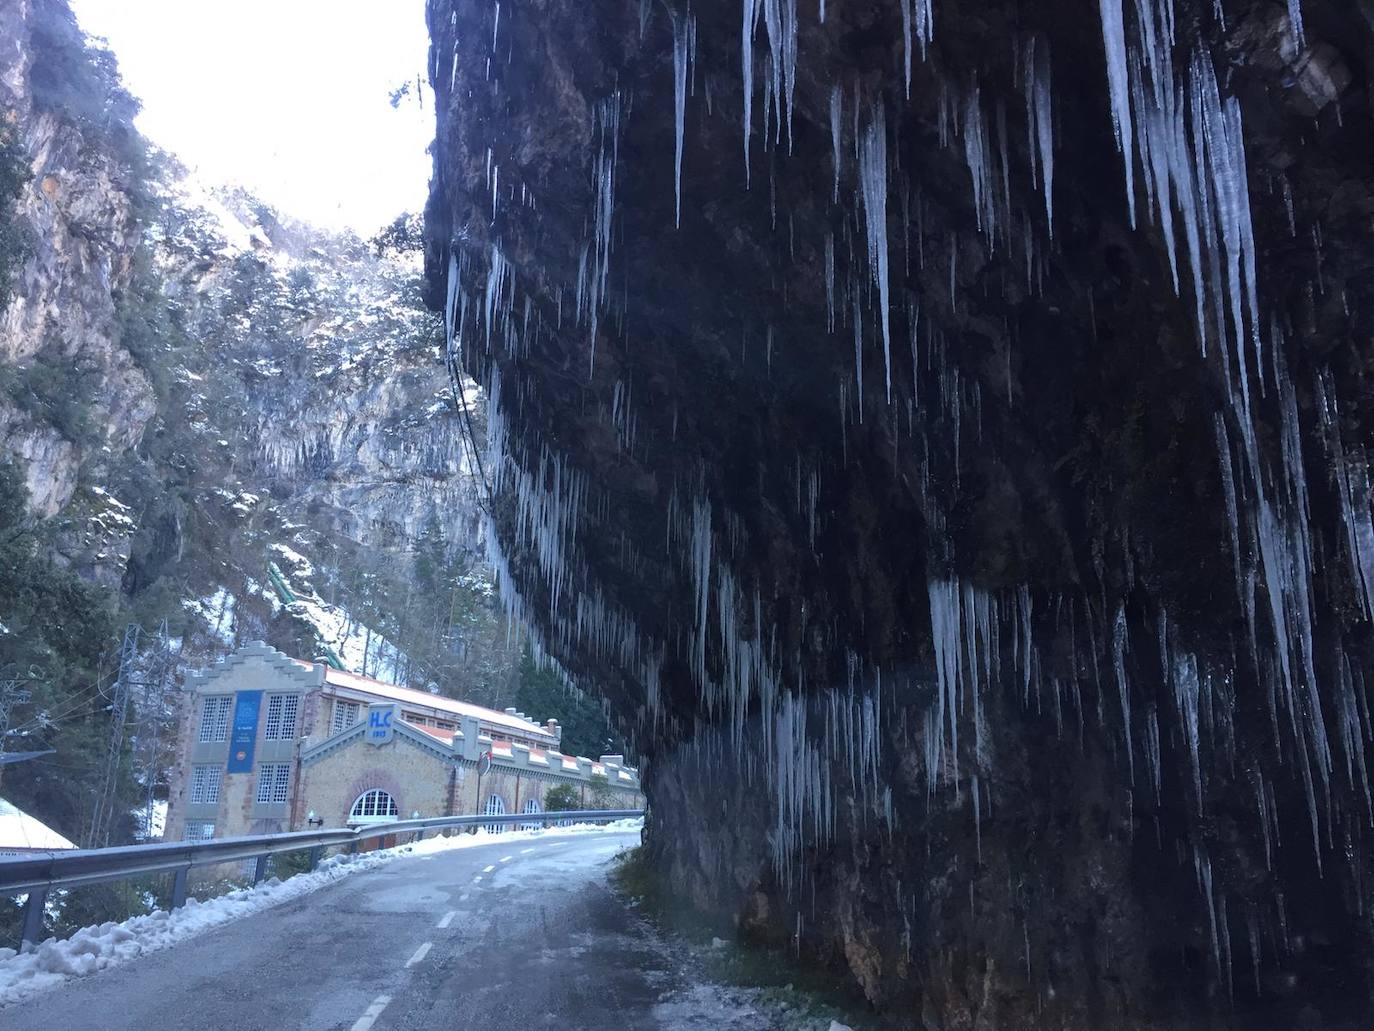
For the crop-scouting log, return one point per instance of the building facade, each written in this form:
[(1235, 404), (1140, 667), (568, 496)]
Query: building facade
[(271, 743)]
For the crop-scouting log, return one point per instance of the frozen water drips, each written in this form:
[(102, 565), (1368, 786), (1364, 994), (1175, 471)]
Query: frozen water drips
[(701, 578), (1120, 643), (836, 116), (1114, 40), (750, 10), (907, 18), (1039, 120), (963, 623), (604, 170), (873, 187), (978, 155), (1295, 20), (780, 22), (684, 47)]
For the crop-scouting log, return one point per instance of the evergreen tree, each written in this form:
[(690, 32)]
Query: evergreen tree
[(542, 695)]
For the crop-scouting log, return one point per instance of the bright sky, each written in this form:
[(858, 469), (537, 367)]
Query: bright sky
[(288, 98)]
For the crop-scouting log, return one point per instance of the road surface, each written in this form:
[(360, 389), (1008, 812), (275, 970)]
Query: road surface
[(516, 935)]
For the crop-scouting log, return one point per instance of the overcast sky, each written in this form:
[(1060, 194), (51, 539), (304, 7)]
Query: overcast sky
[(289, 98)]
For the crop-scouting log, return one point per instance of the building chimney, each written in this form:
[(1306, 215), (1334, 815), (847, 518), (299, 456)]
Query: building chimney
[(510, 712), (555, 730)]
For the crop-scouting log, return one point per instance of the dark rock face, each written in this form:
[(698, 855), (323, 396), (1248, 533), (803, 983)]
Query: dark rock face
[(967, 505)]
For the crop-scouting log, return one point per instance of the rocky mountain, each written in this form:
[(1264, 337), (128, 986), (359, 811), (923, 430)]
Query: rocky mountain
[(80, 231), (942, 431), (225, 421)]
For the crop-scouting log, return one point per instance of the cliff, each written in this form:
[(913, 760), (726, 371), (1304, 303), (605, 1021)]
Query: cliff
[(941, 432)]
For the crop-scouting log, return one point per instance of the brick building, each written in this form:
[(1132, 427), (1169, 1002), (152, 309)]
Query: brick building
[(270, 742)]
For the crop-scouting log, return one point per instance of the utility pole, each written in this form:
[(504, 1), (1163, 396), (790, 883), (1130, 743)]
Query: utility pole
[(153, 711), (102, 813), (11, 694)]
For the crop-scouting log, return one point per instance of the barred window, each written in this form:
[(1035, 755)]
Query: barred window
[(205, 782), (197, 830), (281, 717), (274, 782), (345, 715), (214, 718)]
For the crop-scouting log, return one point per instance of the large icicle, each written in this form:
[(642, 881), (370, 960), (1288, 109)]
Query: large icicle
[(1039, 119), (684, 41), (1114, 39), (873, 185)]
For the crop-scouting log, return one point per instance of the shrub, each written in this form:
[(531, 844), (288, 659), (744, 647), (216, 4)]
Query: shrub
[(562, 798)]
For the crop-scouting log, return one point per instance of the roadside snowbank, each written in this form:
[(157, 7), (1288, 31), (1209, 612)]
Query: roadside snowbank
[(96, 948)]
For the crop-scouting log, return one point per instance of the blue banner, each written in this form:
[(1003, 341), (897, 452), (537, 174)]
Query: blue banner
[(244, 733)]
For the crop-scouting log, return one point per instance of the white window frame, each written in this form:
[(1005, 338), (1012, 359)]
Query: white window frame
[(496, 806), (282, 710), (531, 806), (205, 784), (373, 806), (199, 830), (346, 714), (214, 718), (274, 783)]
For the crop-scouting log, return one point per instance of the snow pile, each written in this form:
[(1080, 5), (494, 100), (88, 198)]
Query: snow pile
[(96, 948)]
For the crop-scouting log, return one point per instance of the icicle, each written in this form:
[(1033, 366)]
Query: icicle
[(873, 184), (906, 43), (1040, 121), (1295, 20), (1114, 39), (751, 17), (684, 32), (836, 104)]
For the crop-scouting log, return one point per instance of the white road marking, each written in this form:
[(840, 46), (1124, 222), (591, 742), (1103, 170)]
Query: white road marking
[(506, 859), (555, 844), (477, 879), (463, 897), (526, 851), (448, 918), (490, 868), (371, 1014), (420, 954)]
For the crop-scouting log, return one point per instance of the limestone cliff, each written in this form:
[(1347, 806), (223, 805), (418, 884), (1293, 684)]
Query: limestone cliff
[(78, 224), (941, 431)]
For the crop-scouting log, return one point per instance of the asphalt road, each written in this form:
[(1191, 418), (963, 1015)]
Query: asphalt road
[(513, 935)]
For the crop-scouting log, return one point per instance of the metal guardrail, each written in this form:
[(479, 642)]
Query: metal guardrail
[(41, 872)]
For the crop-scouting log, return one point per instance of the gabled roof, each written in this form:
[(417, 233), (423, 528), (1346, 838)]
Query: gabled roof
[(393, 692), (421, 737), (19, 830)]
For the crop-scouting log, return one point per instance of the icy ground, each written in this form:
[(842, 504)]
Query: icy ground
[(97, 948)]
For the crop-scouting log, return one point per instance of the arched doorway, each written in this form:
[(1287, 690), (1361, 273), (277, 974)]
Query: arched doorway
[(531, 806), (496, 806)]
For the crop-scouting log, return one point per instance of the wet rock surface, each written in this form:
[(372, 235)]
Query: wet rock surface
[(967, 504)]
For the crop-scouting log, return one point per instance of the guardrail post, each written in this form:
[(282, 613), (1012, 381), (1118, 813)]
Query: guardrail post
[(33, 919), (315, 856), (353, 847), (179, 887), (260, 868)]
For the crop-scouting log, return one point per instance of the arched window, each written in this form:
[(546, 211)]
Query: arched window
[(375, 806), (496, 806), (531, 806)]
